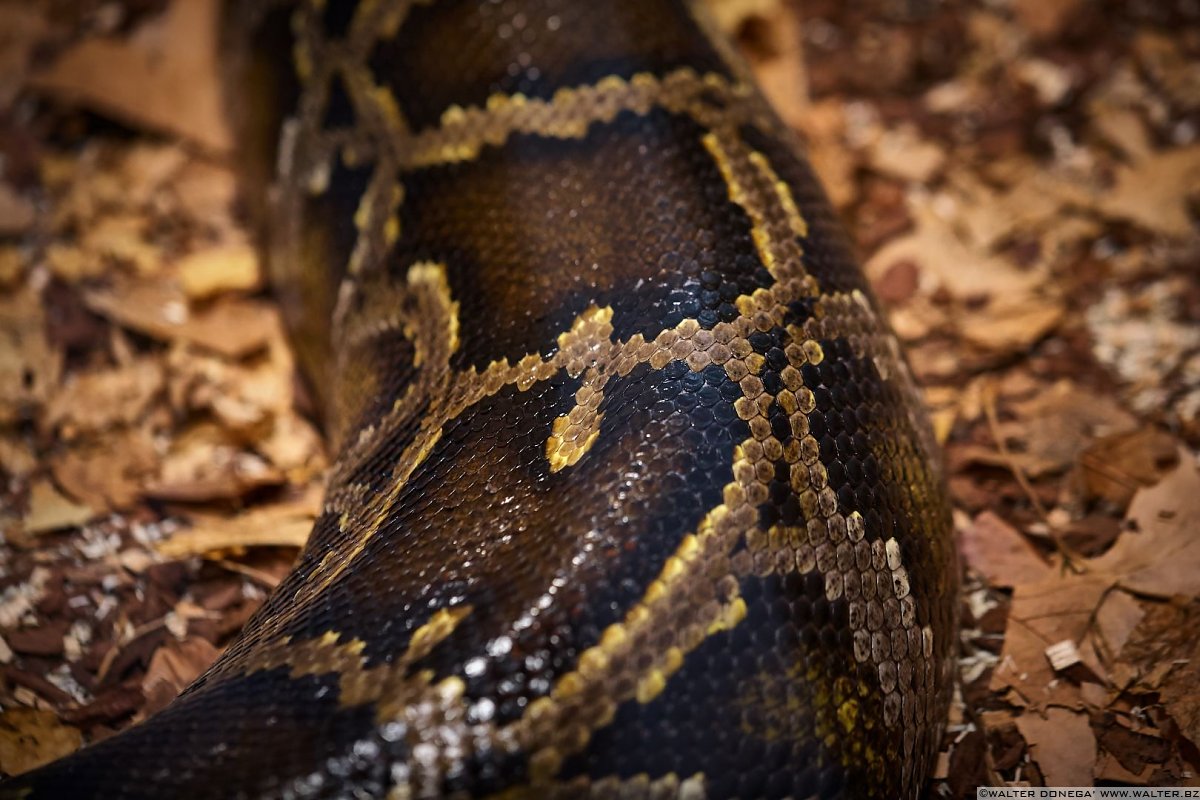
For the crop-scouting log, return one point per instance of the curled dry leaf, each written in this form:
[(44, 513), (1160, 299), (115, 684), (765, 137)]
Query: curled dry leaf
[(206, 192), (245, 398), (731, 15), (1116, 618), (17, 457), (121, 238), (293, 446)]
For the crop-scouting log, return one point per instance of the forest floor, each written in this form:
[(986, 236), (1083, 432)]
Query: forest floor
[(1020, 177)]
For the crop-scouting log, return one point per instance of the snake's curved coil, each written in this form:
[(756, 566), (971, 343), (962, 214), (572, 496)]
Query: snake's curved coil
[(633, 495)]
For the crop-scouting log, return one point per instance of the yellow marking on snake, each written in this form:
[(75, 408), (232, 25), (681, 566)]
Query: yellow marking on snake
[(464, 132)]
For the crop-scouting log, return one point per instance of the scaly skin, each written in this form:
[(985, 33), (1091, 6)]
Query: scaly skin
[(633, 497)]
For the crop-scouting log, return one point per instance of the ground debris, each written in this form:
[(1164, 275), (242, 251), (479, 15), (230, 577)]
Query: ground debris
[(1021, 181)]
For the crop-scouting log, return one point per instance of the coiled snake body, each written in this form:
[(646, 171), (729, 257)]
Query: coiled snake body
[(633, 494)]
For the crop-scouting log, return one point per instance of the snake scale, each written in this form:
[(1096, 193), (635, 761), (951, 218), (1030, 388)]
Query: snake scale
[(633, 494)]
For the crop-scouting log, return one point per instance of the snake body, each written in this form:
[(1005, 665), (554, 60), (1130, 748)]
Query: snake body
[(633, 493)]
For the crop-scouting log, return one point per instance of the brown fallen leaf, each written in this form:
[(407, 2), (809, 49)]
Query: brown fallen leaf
[(12, 266), (146, 169), (49, 510), (232, 327), (823, 124), (107, 473), (1155, 193), (16, 213), (94, 401), (282, 525), (172, 667), (229, 268), (771, 40), (1042, 615), (73, 264), (293, 446), (1165, 651), (121, 238), (206, 464), (996, 550), (165, 75), (1115, 467), (1062, 744), (949, 261), (17, 456), (1007, 327), (206, 192), (731, 15), (1161, 557), (22, 28), (902, 153), (1116, 619), (1121, 127), (29, 366), (1170, 65), (30, 738), (1055, 425), (244, 397)]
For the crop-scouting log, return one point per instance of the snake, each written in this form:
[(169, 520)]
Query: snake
[(632, 495)]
